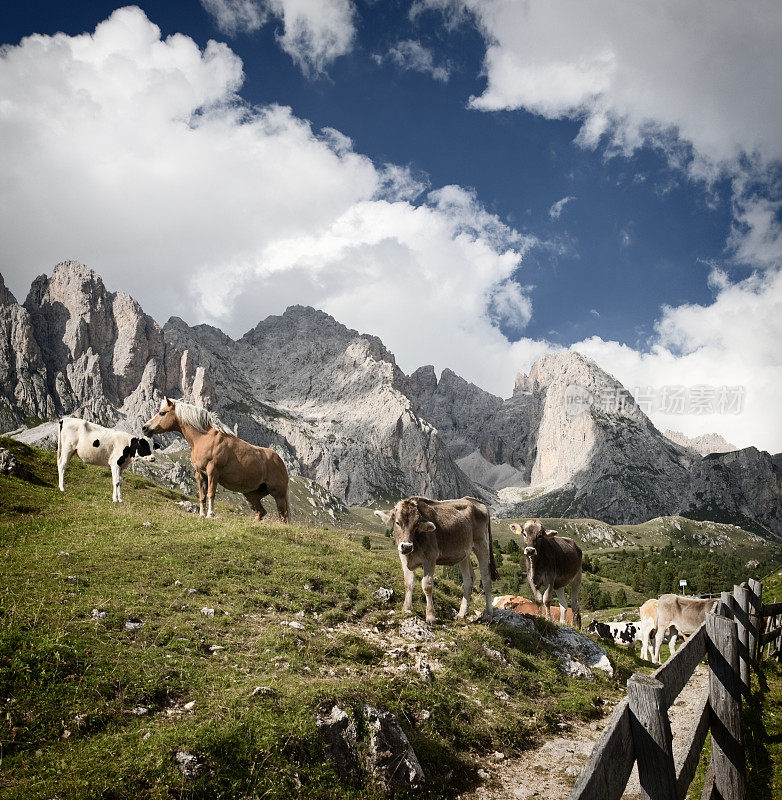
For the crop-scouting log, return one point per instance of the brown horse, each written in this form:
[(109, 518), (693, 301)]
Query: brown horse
[(220, 456)]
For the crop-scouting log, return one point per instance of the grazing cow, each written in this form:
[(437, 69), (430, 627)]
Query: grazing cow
[(627, 633), (429, 532), (552, 562), (683, 613), (95, 444)]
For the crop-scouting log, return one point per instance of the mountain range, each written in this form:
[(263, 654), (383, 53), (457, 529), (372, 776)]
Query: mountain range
[(569, 442)]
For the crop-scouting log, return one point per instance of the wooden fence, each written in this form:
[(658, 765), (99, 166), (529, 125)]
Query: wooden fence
[(639, 730)]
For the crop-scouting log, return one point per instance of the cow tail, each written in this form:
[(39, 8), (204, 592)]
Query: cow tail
[(59, 441), (493, 571)]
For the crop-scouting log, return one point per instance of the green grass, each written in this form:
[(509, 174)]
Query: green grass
[(69, 683)]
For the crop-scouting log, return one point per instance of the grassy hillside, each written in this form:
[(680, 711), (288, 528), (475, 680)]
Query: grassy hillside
[(109, 668)]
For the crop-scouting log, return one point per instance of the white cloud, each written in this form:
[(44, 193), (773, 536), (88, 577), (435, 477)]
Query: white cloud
[(412, 55), (314, 34), (235, 16), (555, 212), (706, 70), (731, 342), (135, 156)]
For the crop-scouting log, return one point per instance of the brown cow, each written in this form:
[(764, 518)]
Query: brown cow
[(683, 613), (552, 562), (429, 532)]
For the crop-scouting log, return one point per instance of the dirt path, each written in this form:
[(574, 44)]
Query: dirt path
[(549, 771)]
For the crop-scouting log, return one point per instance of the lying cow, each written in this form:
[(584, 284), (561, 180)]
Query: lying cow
[(553, 562), (429, 532), (95, 444), (626, 633), (686, 614)]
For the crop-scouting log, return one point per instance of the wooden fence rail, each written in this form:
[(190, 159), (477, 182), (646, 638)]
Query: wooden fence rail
[(639, 731)]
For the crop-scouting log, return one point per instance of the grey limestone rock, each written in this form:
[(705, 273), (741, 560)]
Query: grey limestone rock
[(391, 760)]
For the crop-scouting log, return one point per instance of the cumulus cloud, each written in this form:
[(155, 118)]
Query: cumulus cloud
[(314, 32), (555, 212), (412, 55), (699, 349), (705, 71), (135, 155)]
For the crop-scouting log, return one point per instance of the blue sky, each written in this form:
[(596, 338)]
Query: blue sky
[(514, 181)]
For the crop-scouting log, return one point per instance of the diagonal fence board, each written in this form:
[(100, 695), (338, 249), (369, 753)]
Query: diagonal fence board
[(688, 762), (608, 768), (675, 673)]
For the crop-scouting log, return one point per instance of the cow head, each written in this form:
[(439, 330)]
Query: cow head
[(164, 421), (140, 447), (407, 525), (534, 533)]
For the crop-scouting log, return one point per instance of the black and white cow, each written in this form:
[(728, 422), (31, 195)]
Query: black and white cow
[(626, 633), (95, 444)]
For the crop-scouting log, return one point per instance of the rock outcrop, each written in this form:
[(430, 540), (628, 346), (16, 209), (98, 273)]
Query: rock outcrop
[(705, 444)]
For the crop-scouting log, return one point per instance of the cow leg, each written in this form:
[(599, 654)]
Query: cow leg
[(672, 642), (646, 632), (427, 584), (561, 594), (484, 564), (575, 592), (116, 480), (62, 462), (546, 601), (468, 579), (658, 642), (409, 575)]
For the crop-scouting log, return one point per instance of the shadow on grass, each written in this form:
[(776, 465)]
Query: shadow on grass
[(762, 730)]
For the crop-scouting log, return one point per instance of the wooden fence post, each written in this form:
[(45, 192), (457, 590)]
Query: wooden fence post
[(755, 614), (727, 751), (726, 605), (741, 615), (652, 738)]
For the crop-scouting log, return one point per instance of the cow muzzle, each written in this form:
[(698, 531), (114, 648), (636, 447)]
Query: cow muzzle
[(406, 548), (530, 551)]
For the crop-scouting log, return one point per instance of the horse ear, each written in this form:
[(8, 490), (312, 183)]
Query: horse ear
[(386, 516), (168, 401)]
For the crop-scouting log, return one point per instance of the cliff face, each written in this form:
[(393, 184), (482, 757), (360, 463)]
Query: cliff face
[(24, 395), (570, 441), (97, 347)]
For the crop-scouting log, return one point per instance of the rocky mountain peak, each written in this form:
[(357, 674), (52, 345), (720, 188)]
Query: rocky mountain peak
[(6, 296), (704, 445)]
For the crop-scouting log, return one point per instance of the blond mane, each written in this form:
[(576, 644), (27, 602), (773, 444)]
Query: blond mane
[(200, 418)]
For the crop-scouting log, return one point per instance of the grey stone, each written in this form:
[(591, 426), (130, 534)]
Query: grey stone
[(391, 760), (339, 733)]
